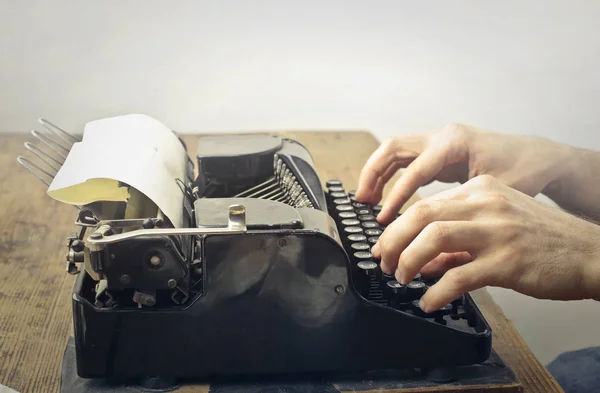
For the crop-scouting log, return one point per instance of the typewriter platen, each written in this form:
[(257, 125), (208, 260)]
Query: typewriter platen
[(270, 273)]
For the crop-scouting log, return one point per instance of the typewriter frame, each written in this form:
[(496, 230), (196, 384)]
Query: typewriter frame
[(269, 299)]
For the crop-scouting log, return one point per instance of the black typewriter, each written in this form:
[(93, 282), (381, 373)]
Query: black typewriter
[(270, 273)]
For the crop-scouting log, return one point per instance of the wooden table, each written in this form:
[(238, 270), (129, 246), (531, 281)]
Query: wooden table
[(35, 290)]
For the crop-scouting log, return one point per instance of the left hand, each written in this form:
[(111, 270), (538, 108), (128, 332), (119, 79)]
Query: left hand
[(485, 233)]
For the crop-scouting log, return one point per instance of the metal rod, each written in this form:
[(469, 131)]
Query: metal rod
[(45, 141), (21, 160), (46, 123), (241, 194), (40, 154), (255, 195)]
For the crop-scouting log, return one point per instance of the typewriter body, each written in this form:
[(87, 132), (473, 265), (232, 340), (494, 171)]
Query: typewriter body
[(270, 273)]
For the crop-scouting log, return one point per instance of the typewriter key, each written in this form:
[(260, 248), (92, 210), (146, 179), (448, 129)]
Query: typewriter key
[(358, 204), (363, 256), (352, 192), (376, 209), (415, 288), (393, 291), (360, 246), (343, 208), (341, 201), (365, 270), (373, 232), (368, 267), (351, 230), (369, 224), (373, 240), (357, 238), (333, 183), (350, 222), (352, 198), (417, 277), (336, 189), (346, 215), (337, 195), (367, 217), (387, 277)]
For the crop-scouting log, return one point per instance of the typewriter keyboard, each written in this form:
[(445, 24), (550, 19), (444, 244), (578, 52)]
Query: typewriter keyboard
[(359, 231)]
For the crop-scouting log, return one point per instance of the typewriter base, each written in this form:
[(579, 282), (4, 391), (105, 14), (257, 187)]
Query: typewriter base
[(492, 376)]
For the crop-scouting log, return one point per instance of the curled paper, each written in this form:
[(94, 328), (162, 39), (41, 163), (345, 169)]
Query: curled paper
[(136, 150)]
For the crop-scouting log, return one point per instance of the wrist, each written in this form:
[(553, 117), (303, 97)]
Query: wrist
[(561, 175), (591, 274)]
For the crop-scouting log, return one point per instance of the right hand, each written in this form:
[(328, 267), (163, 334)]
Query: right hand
[(457, 153)]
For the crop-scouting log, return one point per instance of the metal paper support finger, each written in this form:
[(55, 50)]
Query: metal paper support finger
[(26, 162), (50, 142), (56, 130), (41, 154)]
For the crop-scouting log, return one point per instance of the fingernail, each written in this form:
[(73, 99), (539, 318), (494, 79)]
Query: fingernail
[(399, 276), (422, 304), (384, 267)]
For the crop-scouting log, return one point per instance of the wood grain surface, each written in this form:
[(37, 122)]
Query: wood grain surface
[(35, 290)]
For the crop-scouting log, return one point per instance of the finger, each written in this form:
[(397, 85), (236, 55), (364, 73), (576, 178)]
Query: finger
[(444, 262), (418, 173), (377, 192), (438, 237), (398, 235), (455, 194), (455, 283), (400, 150)]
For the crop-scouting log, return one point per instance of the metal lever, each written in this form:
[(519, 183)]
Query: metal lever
[(236, 225)]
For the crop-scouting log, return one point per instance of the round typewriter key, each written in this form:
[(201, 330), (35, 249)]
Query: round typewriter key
[(338, 195), (352, 192), (350, 222), (416, 288), (357, 238), (352, 198), (351, 230), (336, 189), (373, 232), (369, 224), (343, 208), (373, 240), (346, 215), (333, 183), (358, 204), (376, 209), (341, 201), (367, 266), (417, 276), (363, 256), (365, 270), (361, 212), (367, 217), (386, 277), (360, 246)]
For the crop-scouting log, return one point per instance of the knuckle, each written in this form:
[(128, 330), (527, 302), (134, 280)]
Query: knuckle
[(484, 181), (496, 201), (388, 146), (421, 211), (454, 129), (437, 232), (458, 278)]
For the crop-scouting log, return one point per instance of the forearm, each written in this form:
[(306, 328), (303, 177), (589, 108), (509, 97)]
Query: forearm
[(577, 187)]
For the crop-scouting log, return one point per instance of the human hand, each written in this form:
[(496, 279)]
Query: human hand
[(485, 233), (457, 153)]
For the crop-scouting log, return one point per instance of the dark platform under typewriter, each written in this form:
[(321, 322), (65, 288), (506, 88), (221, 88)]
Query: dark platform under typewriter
[(334, 337)]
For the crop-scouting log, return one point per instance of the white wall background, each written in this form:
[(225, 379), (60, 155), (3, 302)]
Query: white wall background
[(387, 66)]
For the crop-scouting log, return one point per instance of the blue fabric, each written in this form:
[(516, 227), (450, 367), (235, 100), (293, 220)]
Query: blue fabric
[(577, 371)]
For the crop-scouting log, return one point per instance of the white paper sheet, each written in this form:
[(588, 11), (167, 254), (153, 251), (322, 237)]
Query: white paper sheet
[(133, 149)]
